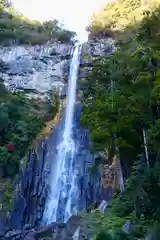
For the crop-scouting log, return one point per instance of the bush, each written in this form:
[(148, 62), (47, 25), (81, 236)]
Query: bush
[(15, 28), (20, 122), (121, 98)]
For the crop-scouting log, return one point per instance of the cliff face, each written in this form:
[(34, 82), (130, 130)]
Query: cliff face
[(35, 69), (31, 186), (93, 50), (110, 174)]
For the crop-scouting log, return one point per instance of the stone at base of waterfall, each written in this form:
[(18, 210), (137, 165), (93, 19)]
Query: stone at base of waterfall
[(76, 234), (127, 227), (15, 234), (75, 229), (102, 206)]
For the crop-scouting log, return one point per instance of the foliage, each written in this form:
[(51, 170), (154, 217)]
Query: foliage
[(7, 196), (20, 121), (16, 28), (121, 18), (112, 236), (121, 100)]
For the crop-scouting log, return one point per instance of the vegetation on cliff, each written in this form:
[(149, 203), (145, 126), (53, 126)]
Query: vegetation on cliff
[(20, 121), (120, 19), (17, 29), (121, 103)]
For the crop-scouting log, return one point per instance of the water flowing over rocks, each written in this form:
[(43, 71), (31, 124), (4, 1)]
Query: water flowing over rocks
[(41, 68), (35, 68), (74, 229), (32, 185)]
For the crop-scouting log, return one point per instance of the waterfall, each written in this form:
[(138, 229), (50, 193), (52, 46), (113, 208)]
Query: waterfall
[(60, 204), (121, 180)]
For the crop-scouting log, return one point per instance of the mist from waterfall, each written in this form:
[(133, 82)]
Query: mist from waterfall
[(59, 205)]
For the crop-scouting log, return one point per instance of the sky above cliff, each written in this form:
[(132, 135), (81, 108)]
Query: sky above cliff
[(74, 14)]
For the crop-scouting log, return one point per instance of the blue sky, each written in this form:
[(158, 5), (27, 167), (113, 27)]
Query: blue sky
[(74, 14)]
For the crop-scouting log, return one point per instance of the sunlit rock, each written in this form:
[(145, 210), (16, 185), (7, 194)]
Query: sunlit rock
[(127, 227), (102, 206), (34, 67), (76, 234), (99, 47)]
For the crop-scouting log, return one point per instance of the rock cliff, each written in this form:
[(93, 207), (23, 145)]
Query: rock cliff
[(40, 69), (94, 50), (31, 185), (35, 69)]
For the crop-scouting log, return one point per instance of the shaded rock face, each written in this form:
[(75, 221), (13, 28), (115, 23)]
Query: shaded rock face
[(89, 183), (74, 229), (3, 225), (99, 47), (34, 67), (92, 50), (32, 186)]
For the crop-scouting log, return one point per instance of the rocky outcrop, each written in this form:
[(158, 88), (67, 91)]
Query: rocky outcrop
[(32, 184), (93, 50), (36, 69), (98, 48), (74, 229), (110, 174)]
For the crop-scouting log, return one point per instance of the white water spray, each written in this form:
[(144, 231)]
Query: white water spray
[(62, 185)]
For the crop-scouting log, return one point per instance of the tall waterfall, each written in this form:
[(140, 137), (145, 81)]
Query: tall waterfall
[(62, 183)]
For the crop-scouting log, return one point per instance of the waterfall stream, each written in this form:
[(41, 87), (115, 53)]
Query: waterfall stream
[(63, 188)]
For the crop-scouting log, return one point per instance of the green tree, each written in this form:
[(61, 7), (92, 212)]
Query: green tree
[(121, 98)]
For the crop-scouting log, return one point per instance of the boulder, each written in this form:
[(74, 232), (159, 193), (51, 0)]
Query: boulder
[(13, 234), (102, 206), (127, 227)]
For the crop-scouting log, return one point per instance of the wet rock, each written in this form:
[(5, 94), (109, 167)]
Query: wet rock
[(27, 227), (76, 228), (3, 225), (102, 206), (53, 52), (13, 234), (32, 185), (3, 66), (76, 234), (66, 69), (30, 236), (48, 230), (127, 227), (29, 190)]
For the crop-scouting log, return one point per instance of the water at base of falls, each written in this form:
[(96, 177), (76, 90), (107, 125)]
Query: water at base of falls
[(62, 199)]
